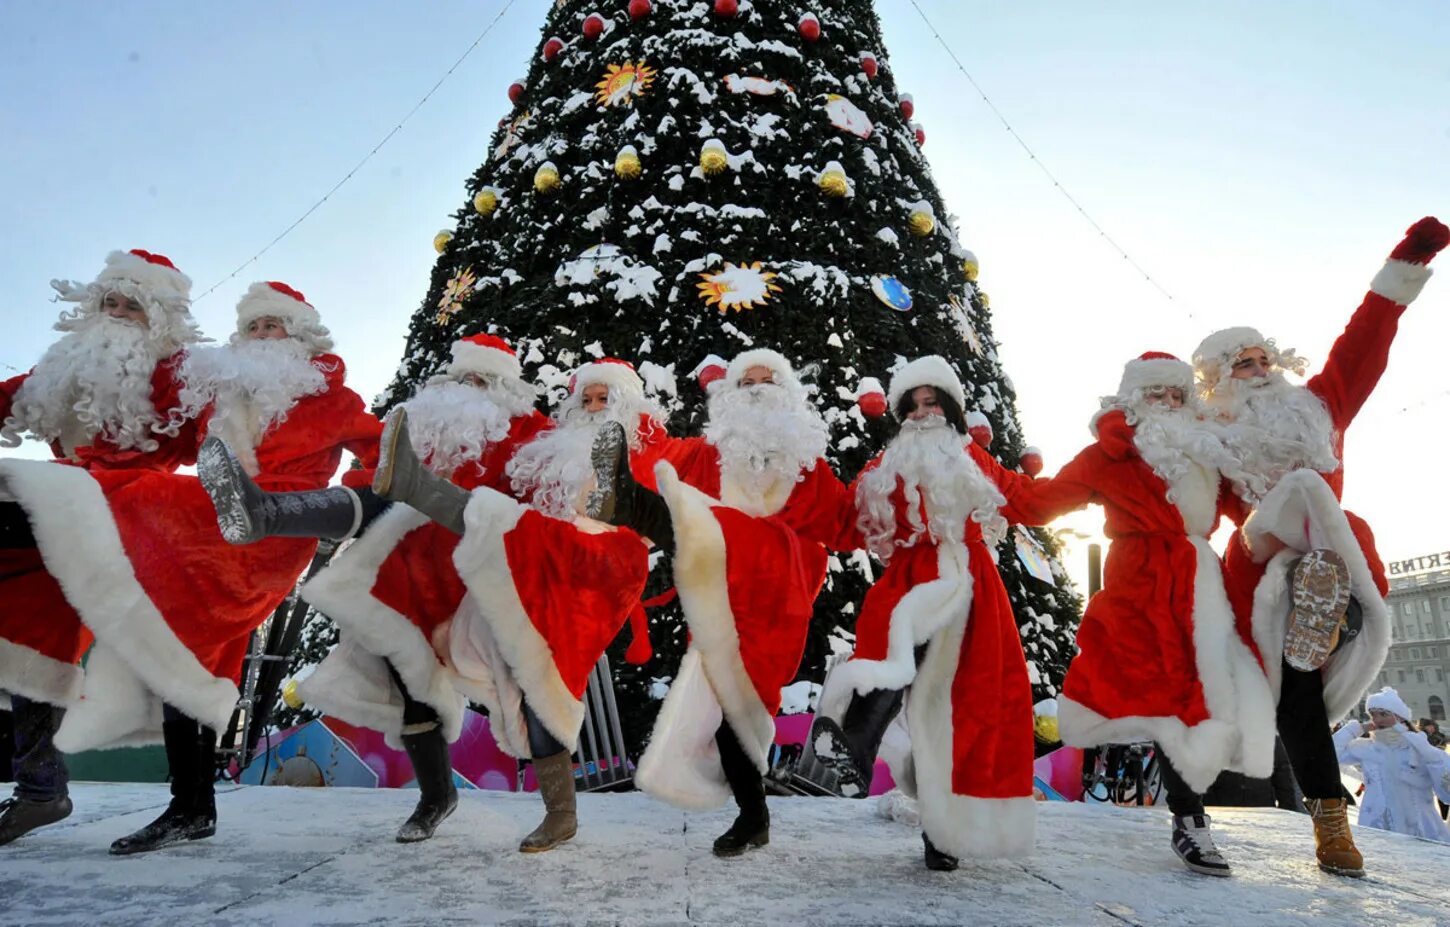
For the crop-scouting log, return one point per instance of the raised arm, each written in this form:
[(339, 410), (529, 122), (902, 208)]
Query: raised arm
[(1039, 501)]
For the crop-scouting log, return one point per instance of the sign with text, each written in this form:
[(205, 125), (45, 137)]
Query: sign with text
[(1440, 561)]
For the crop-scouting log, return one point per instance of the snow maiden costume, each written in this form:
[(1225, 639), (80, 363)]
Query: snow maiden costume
[(1402, 771), (1292, 603), (98, 396)]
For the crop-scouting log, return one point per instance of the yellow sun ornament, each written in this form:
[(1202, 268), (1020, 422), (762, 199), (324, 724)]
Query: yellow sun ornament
[(738, 287), (622, 83), (455, 291)]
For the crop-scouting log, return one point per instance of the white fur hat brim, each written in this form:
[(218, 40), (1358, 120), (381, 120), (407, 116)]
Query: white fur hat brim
[(931, 370), (166, 284), (261, 301), (774, 361), (1387, 699), (1224, 346), (483, 361), (1159, 371), (620, 379)]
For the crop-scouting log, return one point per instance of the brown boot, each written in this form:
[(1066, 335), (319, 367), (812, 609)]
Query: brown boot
[(1332, 841), (556, 784)]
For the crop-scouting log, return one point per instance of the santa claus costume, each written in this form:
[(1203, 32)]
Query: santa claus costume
[(1402, 770), (513, 614), (744, 509), (937, 622), (1159, 655), (100, 397), (1304, 568), (138, 554), (468, 421)]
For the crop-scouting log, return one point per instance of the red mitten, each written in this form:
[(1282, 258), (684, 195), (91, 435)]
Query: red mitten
[(1423, 240)]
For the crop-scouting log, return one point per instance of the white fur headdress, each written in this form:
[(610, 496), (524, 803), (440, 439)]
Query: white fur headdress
[(761, 357), (276, 300), (931, 370), (484, 355), (1155, 368)]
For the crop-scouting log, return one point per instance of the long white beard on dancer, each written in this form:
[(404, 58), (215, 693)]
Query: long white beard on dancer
[(555, 470), (765, 434), (1275, 427), (930, 460), (452, 423), (254, 384), (96, 380), (1173, 441)]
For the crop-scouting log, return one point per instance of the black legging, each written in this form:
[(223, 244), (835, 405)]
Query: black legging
[(15, 531), (746, 785), (414, 712), (1304, 726), (1182, 800), (541, 742)]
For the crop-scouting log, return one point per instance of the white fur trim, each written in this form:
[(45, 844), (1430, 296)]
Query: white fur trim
[(1400, 281), (919, 615), (474, 358), (931, 370), (503, 624), (681, 765), (1239, 732), (1387, 699), (165, 283), (1225, 345), (116, 708), (1159, 371), (353, 682), (620, 379), (1302, 499), (759, 357), (962, 825), (30, 673), (705, 596), (261, 301), (82, 549)]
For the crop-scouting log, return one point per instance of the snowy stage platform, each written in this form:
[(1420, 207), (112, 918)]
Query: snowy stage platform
[(326, 856)]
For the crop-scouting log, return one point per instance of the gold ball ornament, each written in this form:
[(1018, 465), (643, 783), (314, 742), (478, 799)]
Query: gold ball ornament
[(713, 157), (969, 267), (985, 300), (922, 224), (290, 696), (832, 180), (546, 178), (1044, 727), (441, 240), (486, 201), (627, 165)]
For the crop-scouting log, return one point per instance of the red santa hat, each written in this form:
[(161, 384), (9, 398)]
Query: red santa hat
[(1155, 368), (618, 375), (773, 361), (485, 355), (1387, 699), (153, 273), (272, 299), (931, 370)]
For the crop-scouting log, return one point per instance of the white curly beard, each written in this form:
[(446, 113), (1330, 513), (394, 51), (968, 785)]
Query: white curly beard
[(253, 384), (1178, 445), (766, 435), (96, 380), (451, 423), (555, 470), (1274, 427), (930, 459)]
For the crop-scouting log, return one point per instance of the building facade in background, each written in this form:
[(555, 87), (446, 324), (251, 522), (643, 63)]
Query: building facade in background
[(1418, 665)]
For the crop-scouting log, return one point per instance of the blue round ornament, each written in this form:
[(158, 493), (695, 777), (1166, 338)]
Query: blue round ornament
[(892, 292)]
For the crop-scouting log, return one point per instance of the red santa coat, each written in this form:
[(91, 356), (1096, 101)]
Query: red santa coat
[(140, 559), (522, 606), (42, 639), (747, 570), (1159, 656), (1305, 506), (970, 705)]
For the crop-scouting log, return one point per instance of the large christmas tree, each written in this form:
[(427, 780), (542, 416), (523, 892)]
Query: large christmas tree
[(683, 179)]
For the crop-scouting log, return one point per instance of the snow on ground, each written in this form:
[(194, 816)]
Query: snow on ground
[(327, 856)]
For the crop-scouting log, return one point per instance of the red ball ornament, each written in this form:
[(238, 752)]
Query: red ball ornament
[(709, 374), (639, 9), (553, 47), (809, 27), (920, 136), (868, 64), (982, 435), (593, 26), (1031, 461), (726, 7), (872, 405), (516, 90), (908, 107)]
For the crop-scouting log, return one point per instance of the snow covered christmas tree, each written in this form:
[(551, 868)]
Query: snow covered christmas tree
[(677, 180)]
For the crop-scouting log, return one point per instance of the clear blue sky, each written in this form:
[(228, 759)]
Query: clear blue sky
[(1259, 159)]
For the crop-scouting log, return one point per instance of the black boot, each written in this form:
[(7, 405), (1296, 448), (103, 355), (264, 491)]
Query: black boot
[(752, 825), (41, 793), (936, 860), (246, 513), (618, 499), (437, 795), (849, 749), (401, 477), (191, 754)]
